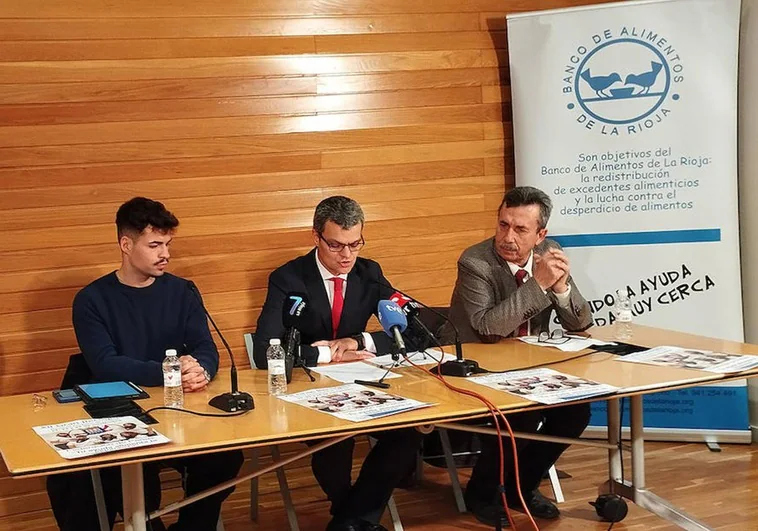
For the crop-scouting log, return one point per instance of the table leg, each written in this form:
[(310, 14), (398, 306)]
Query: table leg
[(640, 495), (614, 454), (615, 484), (133, 491), (232, 482), (638, 442)]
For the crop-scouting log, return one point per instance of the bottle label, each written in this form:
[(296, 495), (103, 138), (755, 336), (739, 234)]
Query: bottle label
[(276, 367), (625, 316), (172, 379)]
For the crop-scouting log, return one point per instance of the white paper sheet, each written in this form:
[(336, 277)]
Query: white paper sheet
[(349, 372), (574, 343), (429, 357)]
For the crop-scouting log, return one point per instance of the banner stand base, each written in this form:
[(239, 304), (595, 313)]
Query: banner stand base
[(678, 435)]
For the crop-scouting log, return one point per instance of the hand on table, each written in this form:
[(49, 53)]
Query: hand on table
[(193, 375), (344, 350)]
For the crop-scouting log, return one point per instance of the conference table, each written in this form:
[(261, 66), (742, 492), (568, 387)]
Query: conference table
[(275, 421)]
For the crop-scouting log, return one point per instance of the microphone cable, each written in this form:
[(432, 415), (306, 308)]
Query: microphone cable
[(497, 416), (198, 413)]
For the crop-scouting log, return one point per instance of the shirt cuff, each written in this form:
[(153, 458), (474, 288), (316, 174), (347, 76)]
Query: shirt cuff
[(563, 298), (368, 342), (324, 355)]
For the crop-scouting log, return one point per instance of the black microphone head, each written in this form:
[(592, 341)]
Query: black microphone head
[(412, 309), (191, 285), (196, 292), (409, 306)]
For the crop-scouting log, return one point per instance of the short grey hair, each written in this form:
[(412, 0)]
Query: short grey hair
[(343, 211), (529, 195)]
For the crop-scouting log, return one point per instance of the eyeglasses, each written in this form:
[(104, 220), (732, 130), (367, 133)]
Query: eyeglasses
[(555, 337), (337, 247)]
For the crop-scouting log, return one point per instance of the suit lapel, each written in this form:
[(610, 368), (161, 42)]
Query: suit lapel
[(511, 285), (510, 279), (317, 293)]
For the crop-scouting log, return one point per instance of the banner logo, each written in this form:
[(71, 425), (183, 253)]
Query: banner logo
[(624, 83)]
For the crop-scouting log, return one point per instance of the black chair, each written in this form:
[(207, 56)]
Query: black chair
[(283, 487), (77, 373), (458, 449), (281, 477)]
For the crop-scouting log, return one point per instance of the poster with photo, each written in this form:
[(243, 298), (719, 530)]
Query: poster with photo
[(545, 386), (703, 360), (354, 402), (84, 438)]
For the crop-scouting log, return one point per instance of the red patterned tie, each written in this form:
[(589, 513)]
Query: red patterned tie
[(522, 276), (337, 304)]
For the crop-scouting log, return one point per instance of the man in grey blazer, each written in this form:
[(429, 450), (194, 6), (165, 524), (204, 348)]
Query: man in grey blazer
[(509, 286)]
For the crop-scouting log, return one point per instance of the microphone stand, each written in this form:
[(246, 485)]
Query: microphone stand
[(459, 366), (292, 344), (380, 383), (236, 400), (300, 363)]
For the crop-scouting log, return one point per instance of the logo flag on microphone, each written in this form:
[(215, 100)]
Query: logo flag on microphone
[(400, 299), (297, 306)]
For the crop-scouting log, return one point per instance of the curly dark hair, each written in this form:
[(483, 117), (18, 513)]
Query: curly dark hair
[(138, 213)]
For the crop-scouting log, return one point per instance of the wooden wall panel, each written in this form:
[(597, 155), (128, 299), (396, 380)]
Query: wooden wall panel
[(240, 116)]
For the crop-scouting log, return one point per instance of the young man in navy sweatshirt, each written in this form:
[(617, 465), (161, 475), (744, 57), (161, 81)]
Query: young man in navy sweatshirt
[(124, 323)]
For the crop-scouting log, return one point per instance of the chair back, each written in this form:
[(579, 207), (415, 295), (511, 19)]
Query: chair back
[(77, 372), (433, 321), (249, 346)]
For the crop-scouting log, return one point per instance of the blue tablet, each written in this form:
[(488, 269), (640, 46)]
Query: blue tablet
[(96, 392)]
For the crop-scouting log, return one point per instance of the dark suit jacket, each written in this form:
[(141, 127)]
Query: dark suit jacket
[(487, 304), (366, 286)]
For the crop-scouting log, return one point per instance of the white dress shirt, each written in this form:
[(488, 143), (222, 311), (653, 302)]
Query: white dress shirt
[(562, 299), (324, 353)]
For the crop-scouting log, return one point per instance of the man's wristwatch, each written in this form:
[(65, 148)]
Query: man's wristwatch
[(207, 376), (359, 339)]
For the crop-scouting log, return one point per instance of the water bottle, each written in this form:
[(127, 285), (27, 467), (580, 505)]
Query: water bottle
[(277, 378), (623, 311), (173, 394)]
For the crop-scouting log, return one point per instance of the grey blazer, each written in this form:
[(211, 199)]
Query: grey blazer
[(487, 305)]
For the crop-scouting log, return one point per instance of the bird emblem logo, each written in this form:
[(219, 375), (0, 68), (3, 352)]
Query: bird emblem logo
[(624, 84), (626, 89)]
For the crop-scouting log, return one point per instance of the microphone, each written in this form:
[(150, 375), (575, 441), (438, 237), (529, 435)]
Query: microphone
[(417, 332), (294, 313), (236, 400), (394, 323), (458, 367)]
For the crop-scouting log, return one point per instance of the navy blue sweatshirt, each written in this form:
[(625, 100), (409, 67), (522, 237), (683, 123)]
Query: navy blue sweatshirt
[(124, 332)]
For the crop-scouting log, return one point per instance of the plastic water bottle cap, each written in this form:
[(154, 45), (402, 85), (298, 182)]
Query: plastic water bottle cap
[(170, 352), (275, 341)]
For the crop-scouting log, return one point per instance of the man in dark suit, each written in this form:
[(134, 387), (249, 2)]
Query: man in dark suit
[(343, 291), (509, 286)]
